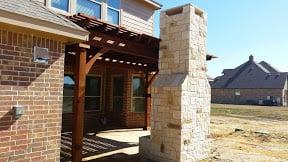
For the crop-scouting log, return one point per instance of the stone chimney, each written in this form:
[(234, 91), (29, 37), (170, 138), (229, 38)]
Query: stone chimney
[(180, 114)]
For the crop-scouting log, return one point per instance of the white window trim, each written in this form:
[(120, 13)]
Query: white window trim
[(118, 10), (132, 96), (99, 3), (67, 13), (72, 9)]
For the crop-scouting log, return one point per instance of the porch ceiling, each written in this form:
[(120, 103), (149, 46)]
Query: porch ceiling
[(125, 46)]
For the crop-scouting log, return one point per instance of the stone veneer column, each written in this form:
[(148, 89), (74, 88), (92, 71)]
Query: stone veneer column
[(181, 93)]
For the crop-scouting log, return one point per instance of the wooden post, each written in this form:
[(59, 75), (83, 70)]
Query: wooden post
[(78, 105), (148, 103), (148, 100)]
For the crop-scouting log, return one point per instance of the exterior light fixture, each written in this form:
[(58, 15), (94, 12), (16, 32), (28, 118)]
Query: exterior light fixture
[(41, 55), (18, 111)]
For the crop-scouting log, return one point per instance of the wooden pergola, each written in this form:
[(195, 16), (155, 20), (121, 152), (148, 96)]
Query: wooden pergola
[(107, 44)]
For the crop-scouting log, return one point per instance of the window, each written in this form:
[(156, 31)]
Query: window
[(60, 4), (113, 11), (89, 7), (92, 93), (139, 100), (118, 90), (68, 93)]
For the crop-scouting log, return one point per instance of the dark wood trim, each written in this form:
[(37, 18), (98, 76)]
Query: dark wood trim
[(153, 78), (91, 62), (117, 38), (148, 103)]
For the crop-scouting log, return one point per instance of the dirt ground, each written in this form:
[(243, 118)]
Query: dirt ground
[(249, 133), (238, 134)]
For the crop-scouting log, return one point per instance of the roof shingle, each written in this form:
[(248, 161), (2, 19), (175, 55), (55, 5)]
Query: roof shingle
[(251, 75), (36, 10)]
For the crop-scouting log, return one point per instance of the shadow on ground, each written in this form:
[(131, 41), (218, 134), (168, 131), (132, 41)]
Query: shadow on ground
[(93, 145)]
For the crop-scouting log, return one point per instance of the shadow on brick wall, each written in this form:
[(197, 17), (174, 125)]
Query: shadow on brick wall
[(17, 70), (7, 120)]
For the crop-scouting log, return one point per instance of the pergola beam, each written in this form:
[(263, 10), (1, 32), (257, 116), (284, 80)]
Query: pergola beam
[(131, 47), (125, 50)]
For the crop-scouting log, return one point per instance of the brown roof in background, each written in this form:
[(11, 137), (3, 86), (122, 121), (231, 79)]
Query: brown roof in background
[(251, 75)]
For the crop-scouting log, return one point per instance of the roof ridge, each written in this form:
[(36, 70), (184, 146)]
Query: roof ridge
[(266, 64), (230, 80), (262, 67)]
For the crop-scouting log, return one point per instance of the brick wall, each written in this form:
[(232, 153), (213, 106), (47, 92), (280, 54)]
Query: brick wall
[(35, 136), (227, 96)]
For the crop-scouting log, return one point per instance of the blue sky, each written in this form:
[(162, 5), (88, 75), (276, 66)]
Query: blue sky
[(238, 28)]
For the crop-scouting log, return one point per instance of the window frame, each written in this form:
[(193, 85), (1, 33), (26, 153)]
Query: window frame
[(115, 9), (101, 93), (94, 1), (63, 12), (112, 91), (132, 94)]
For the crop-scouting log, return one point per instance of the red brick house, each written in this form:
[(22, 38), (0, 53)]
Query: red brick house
[(99, 56), (250, 83)]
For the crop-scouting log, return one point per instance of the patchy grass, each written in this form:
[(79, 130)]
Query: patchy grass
[(248, 133), (247, 111)]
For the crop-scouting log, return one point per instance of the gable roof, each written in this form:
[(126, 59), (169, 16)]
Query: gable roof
[(36, 14), (251, 75)]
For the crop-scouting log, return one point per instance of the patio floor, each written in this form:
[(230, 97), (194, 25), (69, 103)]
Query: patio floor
[(117, 145)]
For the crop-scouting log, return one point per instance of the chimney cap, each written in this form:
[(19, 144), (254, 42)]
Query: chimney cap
[(251, 58)]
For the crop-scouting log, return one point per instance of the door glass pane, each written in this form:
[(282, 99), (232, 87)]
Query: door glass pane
[(113, 16), (118, 104), (118, 90), (67, 104), (118, 83), (89, 8), (114, 3), (68, 93), (69, 84), (92, 103), (60, 4), (93, 86)]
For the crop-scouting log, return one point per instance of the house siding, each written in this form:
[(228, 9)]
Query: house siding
[(137, 17), (35, 136), (227, 96)]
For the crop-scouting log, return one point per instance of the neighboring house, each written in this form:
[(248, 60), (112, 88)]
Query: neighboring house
[(44, 45), (250, 83), (210, 79)]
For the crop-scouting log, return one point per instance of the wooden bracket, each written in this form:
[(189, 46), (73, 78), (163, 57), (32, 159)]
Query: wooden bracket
[(91, 62)]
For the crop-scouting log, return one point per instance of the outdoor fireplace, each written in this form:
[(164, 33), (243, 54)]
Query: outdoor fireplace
[(181, 92)]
